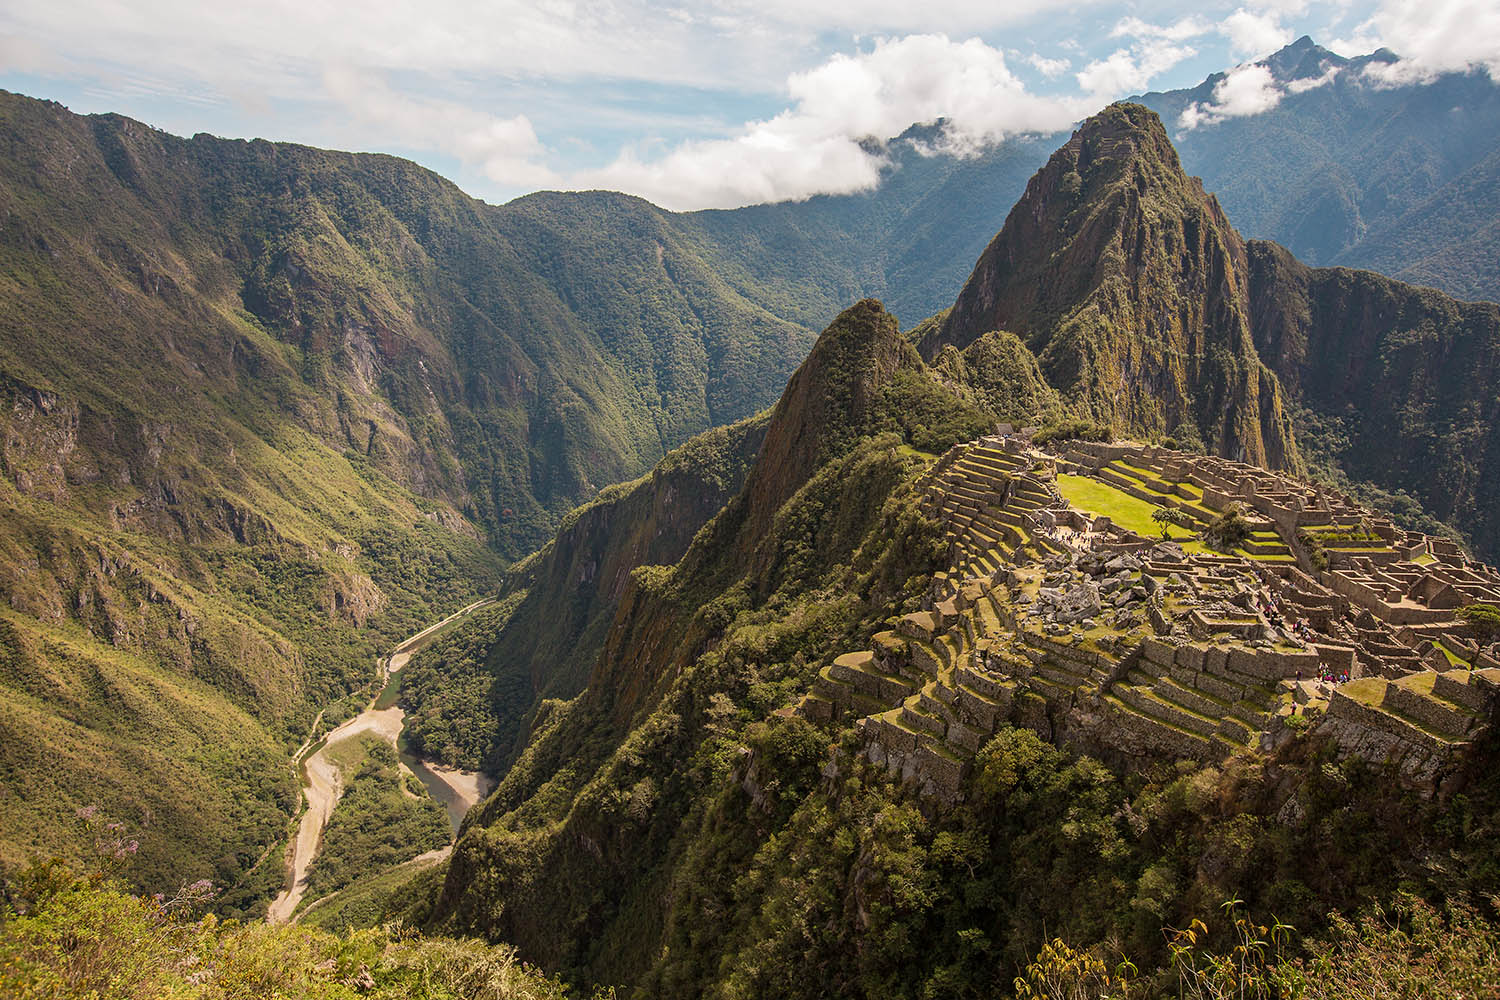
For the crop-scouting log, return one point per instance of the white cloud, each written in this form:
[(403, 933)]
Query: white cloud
[(1254, 35), (1131, 70), (506, 150), (282, 44), (1050, 68), (1178, 31), (815, 146), (1312, 82), (1245, 90), (1433, 37)]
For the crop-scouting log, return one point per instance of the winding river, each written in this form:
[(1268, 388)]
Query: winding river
[(322, 783)]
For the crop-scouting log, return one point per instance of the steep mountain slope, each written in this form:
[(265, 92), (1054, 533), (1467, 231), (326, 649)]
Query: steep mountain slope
[(265, 409), (503, 359), (1348, 172), (678, 829), (1397, 381), (802, 555), (1144, 309), (1128, 284), (469, 696)]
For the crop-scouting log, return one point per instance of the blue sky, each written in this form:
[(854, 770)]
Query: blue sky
[(705, 105)]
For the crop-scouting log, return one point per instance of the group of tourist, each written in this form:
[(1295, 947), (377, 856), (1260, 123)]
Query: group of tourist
[(1329, 676), (1078, 541)]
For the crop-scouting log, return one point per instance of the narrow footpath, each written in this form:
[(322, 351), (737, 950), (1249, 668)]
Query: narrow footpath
[(322, 784)]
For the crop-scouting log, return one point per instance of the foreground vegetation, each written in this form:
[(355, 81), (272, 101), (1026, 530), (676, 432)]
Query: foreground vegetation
[(1413, 950), (69, 937)]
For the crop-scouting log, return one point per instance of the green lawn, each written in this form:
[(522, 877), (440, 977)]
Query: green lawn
[(1453, 658), (1139, 475), (1094, 497)]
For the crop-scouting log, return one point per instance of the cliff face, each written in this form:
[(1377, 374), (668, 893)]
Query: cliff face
[(831, 399), (1402, 379), (1129, 285)]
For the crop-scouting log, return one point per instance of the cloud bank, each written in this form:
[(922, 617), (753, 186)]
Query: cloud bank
[(716, 103), (1431, 38), (827, 141)]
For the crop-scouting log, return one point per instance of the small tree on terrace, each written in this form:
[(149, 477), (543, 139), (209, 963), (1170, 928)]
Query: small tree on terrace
[(1168, 518), (1484, 619), (1229, 530)]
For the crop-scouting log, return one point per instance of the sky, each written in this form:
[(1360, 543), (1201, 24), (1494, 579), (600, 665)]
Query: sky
[(705, 105)]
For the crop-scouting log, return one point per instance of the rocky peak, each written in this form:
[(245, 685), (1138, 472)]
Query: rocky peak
[(1126, 280), (1302, 59), (828, 401)]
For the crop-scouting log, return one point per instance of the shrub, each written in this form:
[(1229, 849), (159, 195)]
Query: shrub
[(1074, 430), (1483, 618), (1229, 530)]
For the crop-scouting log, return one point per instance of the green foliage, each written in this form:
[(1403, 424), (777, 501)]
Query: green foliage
[(67, 937), (373, 899), (1483, 618), (1325, 442), (1073, 430), (469, 695), (1229, 530), (997, 372), (454, 702), (1317, 556), (1251, 968), (1170, 517), (927, 416), (1186, 437)]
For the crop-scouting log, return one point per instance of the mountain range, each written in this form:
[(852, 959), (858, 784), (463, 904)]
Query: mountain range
[(269, 408), (674, 827)]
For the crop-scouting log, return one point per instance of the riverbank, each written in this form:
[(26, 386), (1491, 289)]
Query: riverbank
[(322, 782)]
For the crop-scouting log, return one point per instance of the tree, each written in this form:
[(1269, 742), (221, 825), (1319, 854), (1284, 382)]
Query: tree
[(1229, 530), (1170, 517), (1484, 619)]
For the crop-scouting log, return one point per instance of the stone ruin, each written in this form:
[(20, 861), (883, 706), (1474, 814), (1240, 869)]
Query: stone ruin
[(1137, 650)]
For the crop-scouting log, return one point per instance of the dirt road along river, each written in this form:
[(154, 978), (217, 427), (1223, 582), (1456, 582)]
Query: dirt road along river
[(322, 782)]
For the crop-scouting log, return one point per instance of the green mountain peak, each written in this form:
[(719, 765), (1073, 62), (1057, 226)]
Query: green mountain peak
[(1128, 283)]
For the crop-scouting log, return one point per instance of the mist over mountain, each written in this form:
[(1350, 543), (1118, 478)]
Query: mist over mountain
[(1348, 171)]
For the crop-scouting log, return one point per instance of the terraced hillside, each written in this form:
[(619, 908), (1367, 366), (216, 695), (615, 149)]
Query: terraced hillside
[(1077, 624)]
